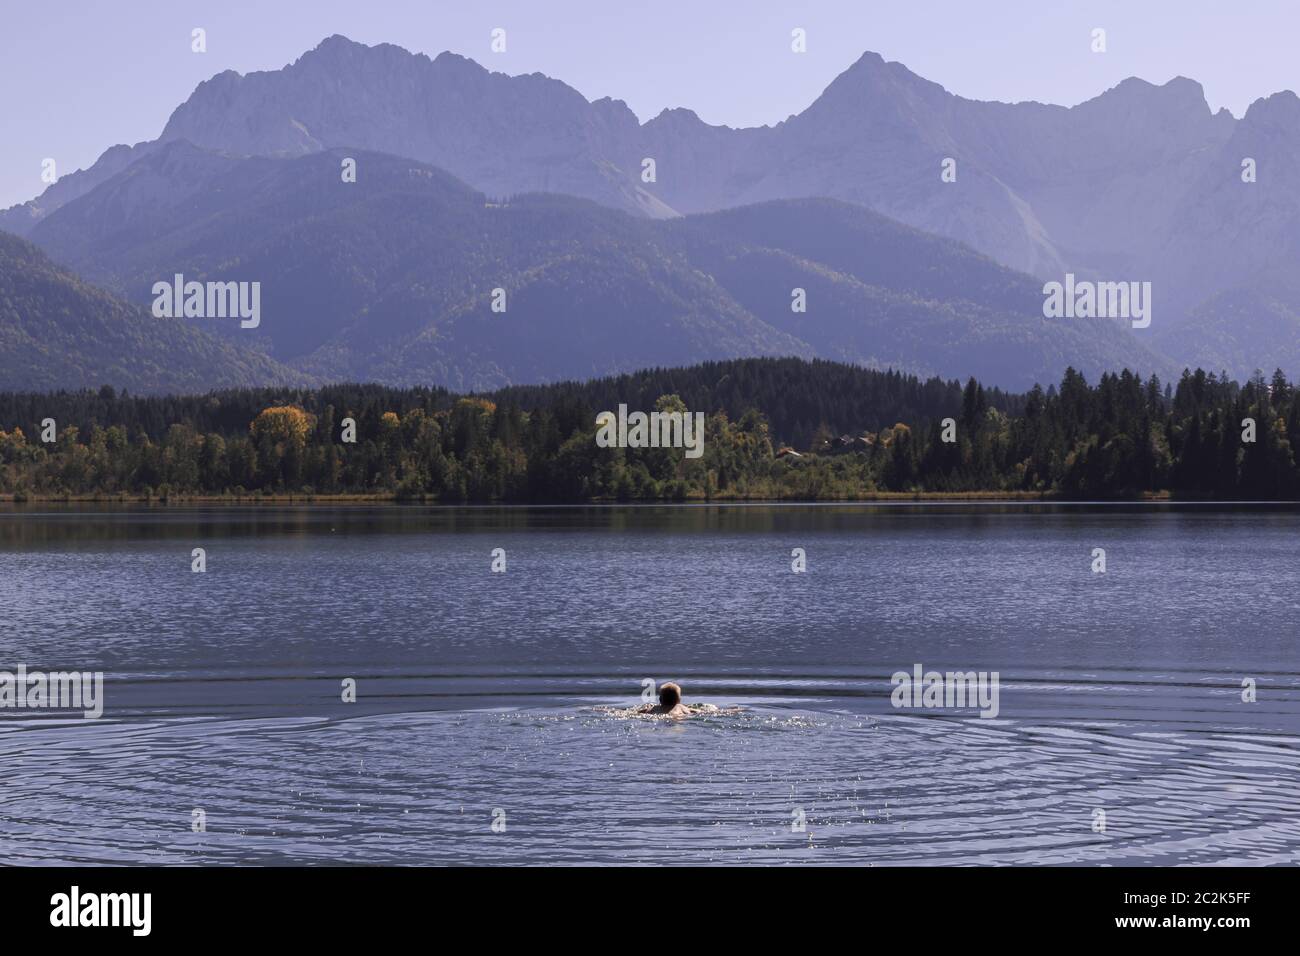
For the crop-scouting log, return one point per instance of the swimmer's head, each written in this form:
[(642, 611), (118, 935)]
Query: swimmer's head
[(670, 695)]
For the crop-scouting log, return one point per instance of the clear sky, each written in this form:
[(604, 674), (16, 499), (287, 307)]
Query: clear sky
[(81, 75)]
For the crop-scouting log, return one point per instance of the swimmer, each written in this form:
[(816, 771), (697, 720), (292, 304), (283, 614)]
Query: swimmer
[(670, 704)]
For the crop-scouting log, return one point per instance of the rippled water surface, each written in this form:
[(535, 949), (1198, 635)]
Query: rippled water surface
[(482, 696)]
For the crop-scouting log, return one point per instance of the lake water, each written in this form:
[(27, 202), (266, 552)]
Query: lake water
[(480, 694)]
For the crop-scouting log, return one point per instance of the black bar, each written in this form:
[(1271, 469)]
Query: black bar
[(210, 905)]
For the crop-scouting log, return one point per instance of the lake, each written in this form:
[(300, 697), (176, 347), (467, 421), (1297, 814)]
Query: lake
[(481, 729)]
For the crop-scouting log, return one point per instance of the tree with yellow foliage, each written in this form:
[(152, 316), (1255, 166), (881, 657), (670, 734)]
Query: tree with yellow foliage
[(282, 423)]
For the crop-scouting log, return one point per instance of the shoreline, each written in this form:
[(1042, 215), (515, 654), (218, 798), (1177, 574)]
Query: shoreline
[(12, 501)]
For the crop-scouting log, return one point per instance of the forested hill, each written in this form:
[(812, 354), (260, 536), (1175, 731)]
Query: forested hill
[(774, 429), (57, 331)]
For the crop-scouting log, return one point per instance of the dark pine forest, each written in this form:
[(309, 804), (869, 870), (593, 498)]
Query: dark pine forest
[(776, 429)]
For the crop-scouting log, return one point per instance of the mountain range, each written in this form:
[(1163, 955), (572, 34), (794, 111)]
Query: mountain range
[(1142, 183), (391, 278)]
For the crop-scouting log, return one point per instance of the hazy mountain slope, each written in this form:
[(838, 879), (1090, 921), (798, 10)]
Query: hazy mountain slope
[(1230, 234), (503, 134), (881, 293), (390, 278), (57, 332), (877, 136), (21, 219), (1239, 331), (873, 248)]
